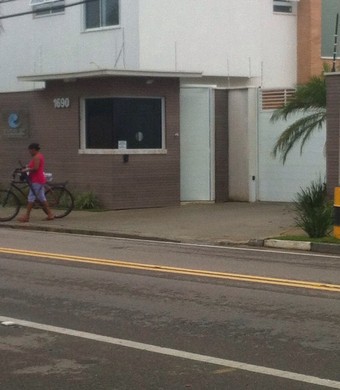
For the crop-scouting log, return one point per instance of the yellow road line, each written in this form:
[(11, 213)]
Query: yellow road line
[(176, 270)]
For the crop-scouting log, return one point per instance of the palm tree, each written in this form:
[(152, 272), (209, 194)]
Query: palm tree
[(309, 98)]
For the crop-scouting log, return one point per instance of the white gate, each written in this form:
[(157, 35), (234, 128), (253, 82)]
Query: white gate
[(278, 182)]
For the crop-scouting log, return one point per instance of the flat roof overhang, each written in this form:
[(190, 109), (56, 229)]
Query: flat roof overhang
[(98, 73)]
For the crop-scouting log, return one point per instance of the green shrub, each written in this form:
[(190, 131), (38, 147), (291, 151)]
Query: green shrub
[(314, 210), (86, 201)]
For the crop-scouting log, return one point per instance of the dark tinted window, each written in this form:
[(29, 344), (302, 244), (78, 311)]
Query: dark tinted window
[(134, 123), (102, 13)]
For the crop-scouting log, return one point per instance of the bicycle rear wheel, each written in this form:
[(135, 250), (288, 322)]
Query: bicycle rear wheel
[(9, 205), (60, 201)]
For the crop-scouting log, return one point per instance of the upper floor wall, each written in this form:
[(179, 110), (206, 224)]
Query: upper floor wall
[(234, 38), (240, 40), (60, 42)]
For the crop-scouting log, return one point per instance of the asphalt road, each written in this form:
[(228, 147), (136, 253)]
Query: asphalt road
[(100, 313)]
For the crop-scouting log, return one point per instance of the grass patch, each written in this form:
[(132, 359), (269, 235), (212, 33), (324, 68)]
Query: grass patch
[(87, 201)]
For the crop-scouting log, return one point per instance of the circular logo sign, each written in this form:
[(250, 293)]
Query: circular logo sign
[(13, 120)]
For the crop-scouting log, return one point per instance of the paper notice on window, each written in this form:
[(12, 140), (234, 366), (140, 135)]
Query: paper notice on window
[(122, 144)]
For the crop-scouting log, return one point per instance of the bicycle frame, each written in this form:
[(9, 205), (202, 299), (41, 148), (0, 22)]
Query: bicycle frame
[(59, 199), (18, 187)]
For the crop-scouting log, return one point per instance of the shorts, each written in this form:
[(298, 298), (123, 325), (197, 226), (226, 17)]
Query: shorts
[(39, 192)]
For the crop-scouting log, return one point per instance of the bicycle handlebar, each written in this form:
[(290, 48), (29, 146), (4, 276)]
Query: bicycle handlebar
[(17, 171)]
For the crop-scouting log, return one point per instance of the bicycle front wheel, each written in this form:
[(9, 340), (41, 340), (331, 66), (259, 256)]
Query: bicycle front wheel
[(9, 205), (60, 201)]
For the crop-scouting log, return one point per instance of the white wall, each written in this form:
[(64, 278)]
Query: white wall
[(278, 182), (58, 43), (232, 39), (279, 49), (252, 137), (236, 38)]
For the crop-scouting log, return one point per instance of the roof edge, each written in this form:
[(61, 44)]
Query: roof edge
[(71, 76)]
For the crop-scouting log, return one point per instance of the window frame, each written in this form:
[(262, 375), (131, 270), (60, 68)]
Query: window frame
[(83, 148), (285, 3), (45, 8), (34, 3), (105, 27)]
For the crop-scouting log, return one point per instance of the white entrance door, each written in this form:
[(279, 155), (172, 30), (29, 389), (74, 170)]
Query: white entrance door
[(197, 168)]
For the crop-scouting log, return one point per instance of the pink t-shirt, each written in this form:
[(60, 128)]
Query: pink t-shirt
[(38, 175)]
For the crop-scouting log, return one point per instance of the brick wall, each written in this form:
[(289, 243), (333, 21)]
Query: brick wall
[(147, 180), (333, 125), (309, 40), (221, 145)]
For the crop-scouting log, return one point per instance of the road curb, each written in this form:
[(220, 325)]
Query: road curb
[(287, 244), (86, 232), (269, 242), (256, 242), (303, 245), (326, 248)]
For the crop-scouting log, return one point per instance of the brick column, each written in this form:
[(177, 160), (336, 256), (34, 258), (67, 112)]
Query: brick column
[(309, 39)]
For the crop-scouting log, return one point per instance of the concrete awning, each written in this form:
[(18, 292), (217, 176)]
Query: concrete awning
[(72, 76)]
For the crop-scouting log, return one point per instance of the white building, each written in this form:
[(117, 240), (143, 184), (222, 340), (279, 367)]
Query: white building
[(242, 47)]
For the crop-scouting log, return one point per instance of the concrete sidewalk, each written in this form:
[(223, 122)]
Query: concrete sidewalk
[(220, 223)]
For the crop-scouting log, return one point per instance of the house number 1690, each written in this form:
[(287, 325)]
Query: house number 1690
[(61, 102)]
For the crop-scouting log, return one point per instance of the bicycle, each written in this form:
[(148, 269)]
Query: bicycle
[(59, 198)]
